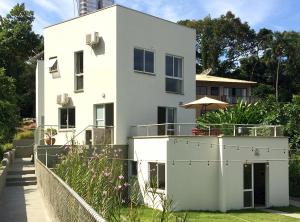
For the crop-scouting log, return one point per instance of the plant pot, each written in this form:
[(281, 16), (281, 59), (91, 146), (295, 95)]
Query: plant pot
[(49, 141)]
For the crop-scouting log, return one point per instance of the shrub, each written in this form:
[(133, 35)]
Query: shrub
[(24, 135), (294, 174)]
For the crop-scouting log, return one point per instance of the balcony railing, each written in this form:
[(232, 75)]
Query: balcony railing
[(192, 129)]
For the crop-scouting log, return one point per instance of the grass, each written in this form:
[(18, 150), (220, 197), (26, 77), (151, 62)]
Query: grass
[(231, 216)]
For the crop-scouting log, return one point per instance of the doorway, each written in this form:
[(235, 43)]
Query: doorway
[(255, 185), (166, 116)]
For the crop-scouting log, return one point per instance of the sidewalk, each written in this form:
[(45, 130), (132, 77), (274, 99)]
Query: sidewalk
[(21, 201)]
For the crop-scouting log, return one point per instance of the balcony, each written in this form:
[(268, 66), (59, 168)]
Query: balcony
[(231, 99), (192, 129)]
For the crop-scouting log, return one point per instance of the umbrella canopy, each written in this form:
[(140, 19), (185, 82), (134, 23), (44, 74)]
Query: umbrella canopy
[(206, 103)]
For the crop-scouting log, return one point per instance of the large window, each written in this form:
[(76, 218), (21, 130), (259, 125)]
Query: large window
[(174, 74), (157, 175), (53, 67), (67, 118), (201, 90), (79, 70), (214, 91), (143, 60)]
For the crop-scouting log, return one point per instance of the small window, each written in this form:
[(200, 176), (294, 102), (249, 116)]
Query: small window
[(174, 74), (201, 90), (214, 91), (78, 70), (143, 60), (67, 118), (53, 67), (157, 175)]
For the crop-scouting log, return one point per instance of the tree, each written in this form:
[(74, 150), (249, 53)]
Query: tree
[(17, 44), (8, 108)]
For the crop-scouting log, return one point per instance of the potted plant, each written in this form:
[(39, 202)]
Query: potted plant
[(49, 136)]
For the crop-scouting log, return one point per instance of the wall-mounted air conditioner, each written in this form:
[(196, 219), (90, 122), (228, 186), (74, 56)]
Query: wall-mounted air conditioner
[(62, 99), (92, 39)]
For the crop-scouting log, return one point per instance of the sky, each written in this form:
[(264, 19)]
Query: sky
[(278, 15)]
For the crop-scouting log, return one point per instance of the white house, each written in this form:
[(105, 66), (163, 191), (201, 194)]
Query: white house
[(115, 68)]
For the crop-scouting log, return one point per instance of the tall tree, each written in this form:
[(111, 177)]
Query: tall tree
[(17, 44)]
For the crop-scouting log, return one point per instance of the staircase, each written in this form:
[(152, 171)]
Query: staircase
[(22, 173)]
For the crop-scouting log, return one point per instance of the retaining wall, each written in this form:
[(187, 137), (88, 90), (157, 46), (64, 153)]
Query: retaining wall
[(3, 173), (24, 147), (62, 202)]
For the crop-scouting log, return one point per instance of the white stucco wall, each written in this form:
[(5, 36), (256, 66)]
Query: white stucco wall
[(39, 78), (109, 69), (217, 185), (139, 95)]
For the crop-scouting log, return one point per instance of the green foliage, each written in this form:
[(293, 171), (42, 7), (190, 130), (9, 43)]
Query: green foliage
[(8, 108), (263, 91), (4, 148), (18, 43), (294, 174), (24, 135)]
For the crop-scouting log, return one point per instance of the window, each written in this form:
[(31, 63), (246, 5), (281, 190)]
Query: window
[(166, 118), (67, 118), (104, 115), (78, 70), (134, 168), (174, 73), (248, 188), (157, 175), (100, 115), (143, 60), (201, 90), (53, 64), (214, 91)]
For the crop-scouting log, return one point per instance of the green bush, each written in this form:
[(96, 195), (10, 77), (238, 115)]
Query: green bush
[(294, 174), (24, 135), (4, 148)]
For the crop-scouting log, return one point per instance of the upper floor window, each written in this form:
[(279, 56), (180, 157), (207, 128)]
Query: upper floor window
[(53, 67), (201, 90), (214, 91), (174, 74), (67, 118), (143, 60), (79, 70)]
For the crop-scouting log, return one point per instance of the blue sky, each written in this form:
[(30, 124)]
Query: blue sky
[(273, 14)]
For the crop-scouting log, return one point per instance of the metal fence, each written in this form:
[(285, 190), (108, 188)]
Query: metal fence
[(193, 129)]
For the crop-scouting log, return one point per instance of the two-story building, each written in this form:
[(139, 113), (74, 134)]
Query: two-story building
[(107, 72)]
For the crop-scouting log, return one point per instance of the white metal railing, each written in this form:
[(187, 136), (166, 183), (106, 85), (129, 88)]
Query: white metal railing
[(194, 129)]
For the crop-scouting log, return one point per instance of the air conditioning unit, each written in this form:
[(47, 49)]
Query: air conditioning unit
[(92, 39), (62, 99)]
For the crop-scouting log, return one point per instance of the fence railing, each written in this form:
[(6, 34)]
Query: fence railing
[(193, 129), (92, 135)]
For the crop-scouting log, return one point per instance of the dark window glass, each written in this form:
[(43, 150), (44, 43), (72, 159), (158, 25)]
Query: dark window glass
[(149, 61), (247, 198), (173, 85), (79, 62), (157, 175), (134, 169), (247, 176), (71, 123), (139, 60), (214, 91), (201, 90), (161, 176), (79, 82), (169, 65), (177, 67), (153, 175), (63, 118)]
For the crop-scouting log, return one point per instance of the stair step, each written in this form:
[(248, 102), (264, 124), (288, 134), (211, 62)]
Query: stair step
[(23, 183), (15, 172), (20, 179)]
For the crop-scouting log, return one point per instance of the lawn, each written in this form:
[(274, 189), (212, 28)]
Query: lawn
[(232, 216), (290, 209)]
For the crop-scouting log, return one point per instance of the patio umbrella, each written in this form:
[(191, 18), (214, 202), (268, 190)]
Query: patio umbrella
[(205, 104)]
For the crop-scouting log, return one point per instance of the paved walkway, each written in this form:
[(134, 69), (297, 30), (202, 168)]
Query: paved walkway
[(21, 201)]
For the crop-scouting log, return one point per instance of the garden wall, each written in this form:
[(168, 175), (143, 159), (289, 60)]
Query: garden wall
[(24, 147), (3, 172), (62, 202)]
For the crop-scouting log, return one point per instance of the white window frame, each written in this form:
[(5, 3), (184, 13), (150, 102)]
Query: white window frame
[(53, 64), (157, 174), (144, 61), (78, 75), (173, 76), (96, 120), (59, 120)]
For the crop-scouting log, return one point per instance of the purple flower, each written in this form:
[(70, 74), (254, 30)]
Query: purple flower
[(121, 177), (126, 184)]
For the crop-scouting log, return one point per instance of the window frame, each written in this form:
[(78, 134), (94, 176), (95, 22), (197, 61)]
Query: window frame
[(68, 122), (159, 185), (144, 61), (77, 73), (51, 70), (173, 77)]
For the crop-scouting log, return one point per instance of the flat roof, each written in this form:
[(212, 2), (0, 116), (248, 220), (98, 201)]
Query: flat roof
[(117, 5), (209, 78)]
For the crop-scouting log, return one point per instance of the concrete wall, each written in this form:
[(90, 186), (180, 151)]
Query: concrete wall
[(39, 78), (62, 202), (206, 173), (24, 147), (3, 173)]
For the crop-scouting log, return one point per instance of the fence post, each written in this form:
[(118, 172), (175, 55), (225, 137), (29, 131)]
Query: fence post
[(179, 130), (233, 130), (46, 158), (209, 130), (275, 131)]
